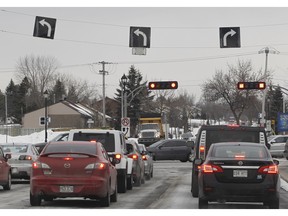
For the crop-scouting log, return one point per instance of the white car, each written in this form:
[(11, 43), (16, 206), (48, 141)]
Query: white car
[(277, 145)]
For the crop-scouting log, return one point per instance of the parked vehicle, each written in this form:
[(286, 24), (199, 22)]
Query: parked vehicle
[(114, 143), (22, 157), (60, 137), (238, 172), (277, 145), (5, 170), (208, 134), (172, 149), (74, 169), (148, 161), (138, 162)]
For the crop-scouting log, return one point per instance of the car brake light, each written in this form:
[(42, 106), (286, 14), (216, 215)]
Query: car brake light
[(99, 166), (133, 156), (239, 157), (273, 169), (93, 141), (118, 156), (68, 158), (25, 157), (207, 168), (144, 157), (233, 125), (202, 149), (39, 165)]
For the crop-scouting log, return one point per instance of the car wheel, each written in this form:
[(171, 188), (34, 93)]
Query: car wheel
[(194, 185), (9, 182), (130, 182), (48, 198), (105, 201), (148, 175), (274, 204), (114, 196), (151, 174), (202, 203), (137, 182), (35, 200), (143, 179), (122, 183)]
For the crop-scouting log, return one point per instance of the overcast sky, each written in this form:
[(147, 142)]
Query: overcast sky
[(185, 42)]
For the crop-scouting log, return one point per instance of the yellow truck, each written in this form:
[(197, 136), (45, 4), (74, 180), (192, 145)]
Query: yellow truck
[(150, 128)]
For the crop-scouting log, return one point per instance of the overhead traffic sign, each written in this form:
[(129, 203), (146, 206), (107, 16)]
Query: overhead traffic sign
[(229, 37), (44, 27), (140, 37)]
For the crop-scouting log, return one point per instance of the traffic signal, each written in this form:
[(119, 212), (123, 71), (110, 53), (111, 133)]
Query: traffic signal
[(163, 85), (251, 85)]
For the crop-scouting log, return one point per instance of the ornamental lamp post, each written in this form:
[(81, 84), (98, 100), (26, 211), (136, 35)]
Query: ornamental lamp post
[(45, 94), (123, 98)]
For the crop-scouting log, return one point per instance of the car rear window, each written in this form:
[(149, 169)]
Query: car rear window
[(239, 151), (73, 148), (215, 136), (107, 139), (15, 148)]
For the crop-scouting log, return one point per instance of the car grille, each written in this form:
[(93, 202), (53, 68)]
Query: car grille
[(148, 134)]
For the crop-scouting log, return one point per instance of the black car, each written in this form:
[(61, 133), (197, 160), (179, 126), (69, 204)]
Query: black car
[(208, 134), (171, 149), (238, 172)]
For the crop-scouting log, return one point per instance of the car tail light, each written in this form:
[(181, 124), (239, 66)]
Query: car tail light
[(25, 157), (68, 158), (118, 156), (96, 166), (144, 157), (93, 141), (207, 168), (133, 156), (39, 165), (273, 169), (239, 157)]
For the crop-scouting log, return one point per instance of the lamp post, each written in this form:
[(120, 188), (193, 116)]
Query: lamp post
[(45, 94)]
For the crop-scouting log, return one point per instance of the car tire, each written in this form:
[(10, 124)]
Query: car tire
[(194, 185), (105, 201), (114, 196), (202, 203), (48, 198), (7, 186), (35, 200), (137, 182), (148, 176), (122, 183), (143, 179), (151, 174), (274, 204), (130, 182)]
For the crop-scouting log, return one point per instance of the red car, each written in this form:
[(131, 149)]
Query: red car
[(74, 169), (5, 170)]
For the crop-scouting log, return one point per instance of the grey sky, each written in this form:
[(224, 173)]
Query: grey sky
[(185, 44)]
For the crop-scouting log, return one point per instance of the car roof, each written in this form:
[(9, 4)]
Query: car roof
[(232, 126), (237, 143)]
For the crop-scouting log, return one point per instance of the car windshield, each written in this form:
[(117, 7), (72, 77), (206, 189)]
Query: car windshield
[(73, 148), (239, 151), (157, 143), (15, 148)]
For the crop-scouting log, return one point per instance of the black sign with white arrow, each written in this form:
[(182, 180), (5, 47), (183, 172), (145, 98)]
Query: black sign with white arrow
[(229, 37), (140, 37), (44, 27)]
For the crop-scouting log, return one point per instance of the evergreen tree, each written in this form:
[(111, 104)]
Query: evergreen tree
[(13, 107), (58, 91)]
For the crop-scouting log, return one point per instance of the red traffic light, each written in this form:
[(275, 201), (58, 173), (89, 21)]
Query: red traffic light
[(251, 85), (163, 85)]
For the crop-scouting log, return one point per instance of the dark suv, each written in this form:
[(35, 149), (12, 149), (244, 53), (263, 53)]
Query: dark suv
[(209, 134)]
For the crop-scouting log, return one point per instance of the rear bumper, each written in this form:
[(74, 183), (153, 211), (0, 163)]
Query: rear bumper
[(21, 170), (265, 191), (82, 187)]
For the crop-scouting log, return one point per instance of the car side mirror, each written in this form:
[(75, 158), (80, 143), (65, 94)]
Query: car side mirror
[(268, 145), (276, 162), (7, 157), (114, 160)]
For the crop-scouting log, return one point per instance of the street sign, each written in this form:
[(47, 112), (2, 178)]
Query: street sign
[(125, 122), (44, 27), (229, 37), (140, 37)]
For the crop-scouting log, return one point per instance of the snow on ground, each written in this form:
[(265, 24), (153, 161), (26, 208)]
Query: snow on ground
[(32, 138)]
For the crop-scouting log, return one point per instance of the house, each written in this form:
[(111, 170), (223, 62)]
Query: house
[(65, 114)]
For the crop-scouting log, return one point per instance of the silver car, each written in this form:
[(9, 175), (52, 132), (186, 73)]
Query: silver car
[(22, 157), (277, 145), (148, 161)]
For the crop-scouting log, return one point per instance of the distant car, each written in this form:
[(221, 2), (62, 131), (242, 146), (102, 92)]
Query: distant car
[(74, 169), (171, 149), (58, 138), (148, 161), (277, 145), (133, 151), (22, 157), (238, 172), (5, 170)]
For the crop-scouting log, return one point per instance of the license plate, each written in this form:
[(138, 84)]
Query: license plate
[(66, 189), (240, 173)]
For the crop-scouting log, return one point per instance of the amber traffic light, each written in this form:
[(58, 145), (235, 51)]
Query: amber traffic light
[(163, 85), (251, 85)]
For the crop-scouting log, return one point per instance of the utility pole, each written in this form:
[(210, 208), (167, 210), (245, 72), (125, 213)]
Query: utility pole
[(103, 72), (265, 50)]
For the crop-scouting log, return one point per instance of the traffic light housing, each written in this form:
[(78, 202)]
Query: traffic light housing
[(157, 85), (251, 85)]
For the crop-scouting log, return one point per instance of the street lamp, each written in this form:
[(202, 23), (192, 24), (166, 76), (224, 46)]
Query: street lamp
[(45, 94), (124, 81)]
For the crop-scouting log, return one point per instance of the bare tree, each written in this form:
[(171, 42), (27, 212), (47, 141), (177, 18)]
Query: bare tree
[(222, 88), (40, 74)]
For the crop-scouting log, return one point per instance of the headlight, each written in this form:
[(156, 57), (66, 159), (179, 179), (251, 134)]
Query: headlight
[(157, 135), (140, 135)]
